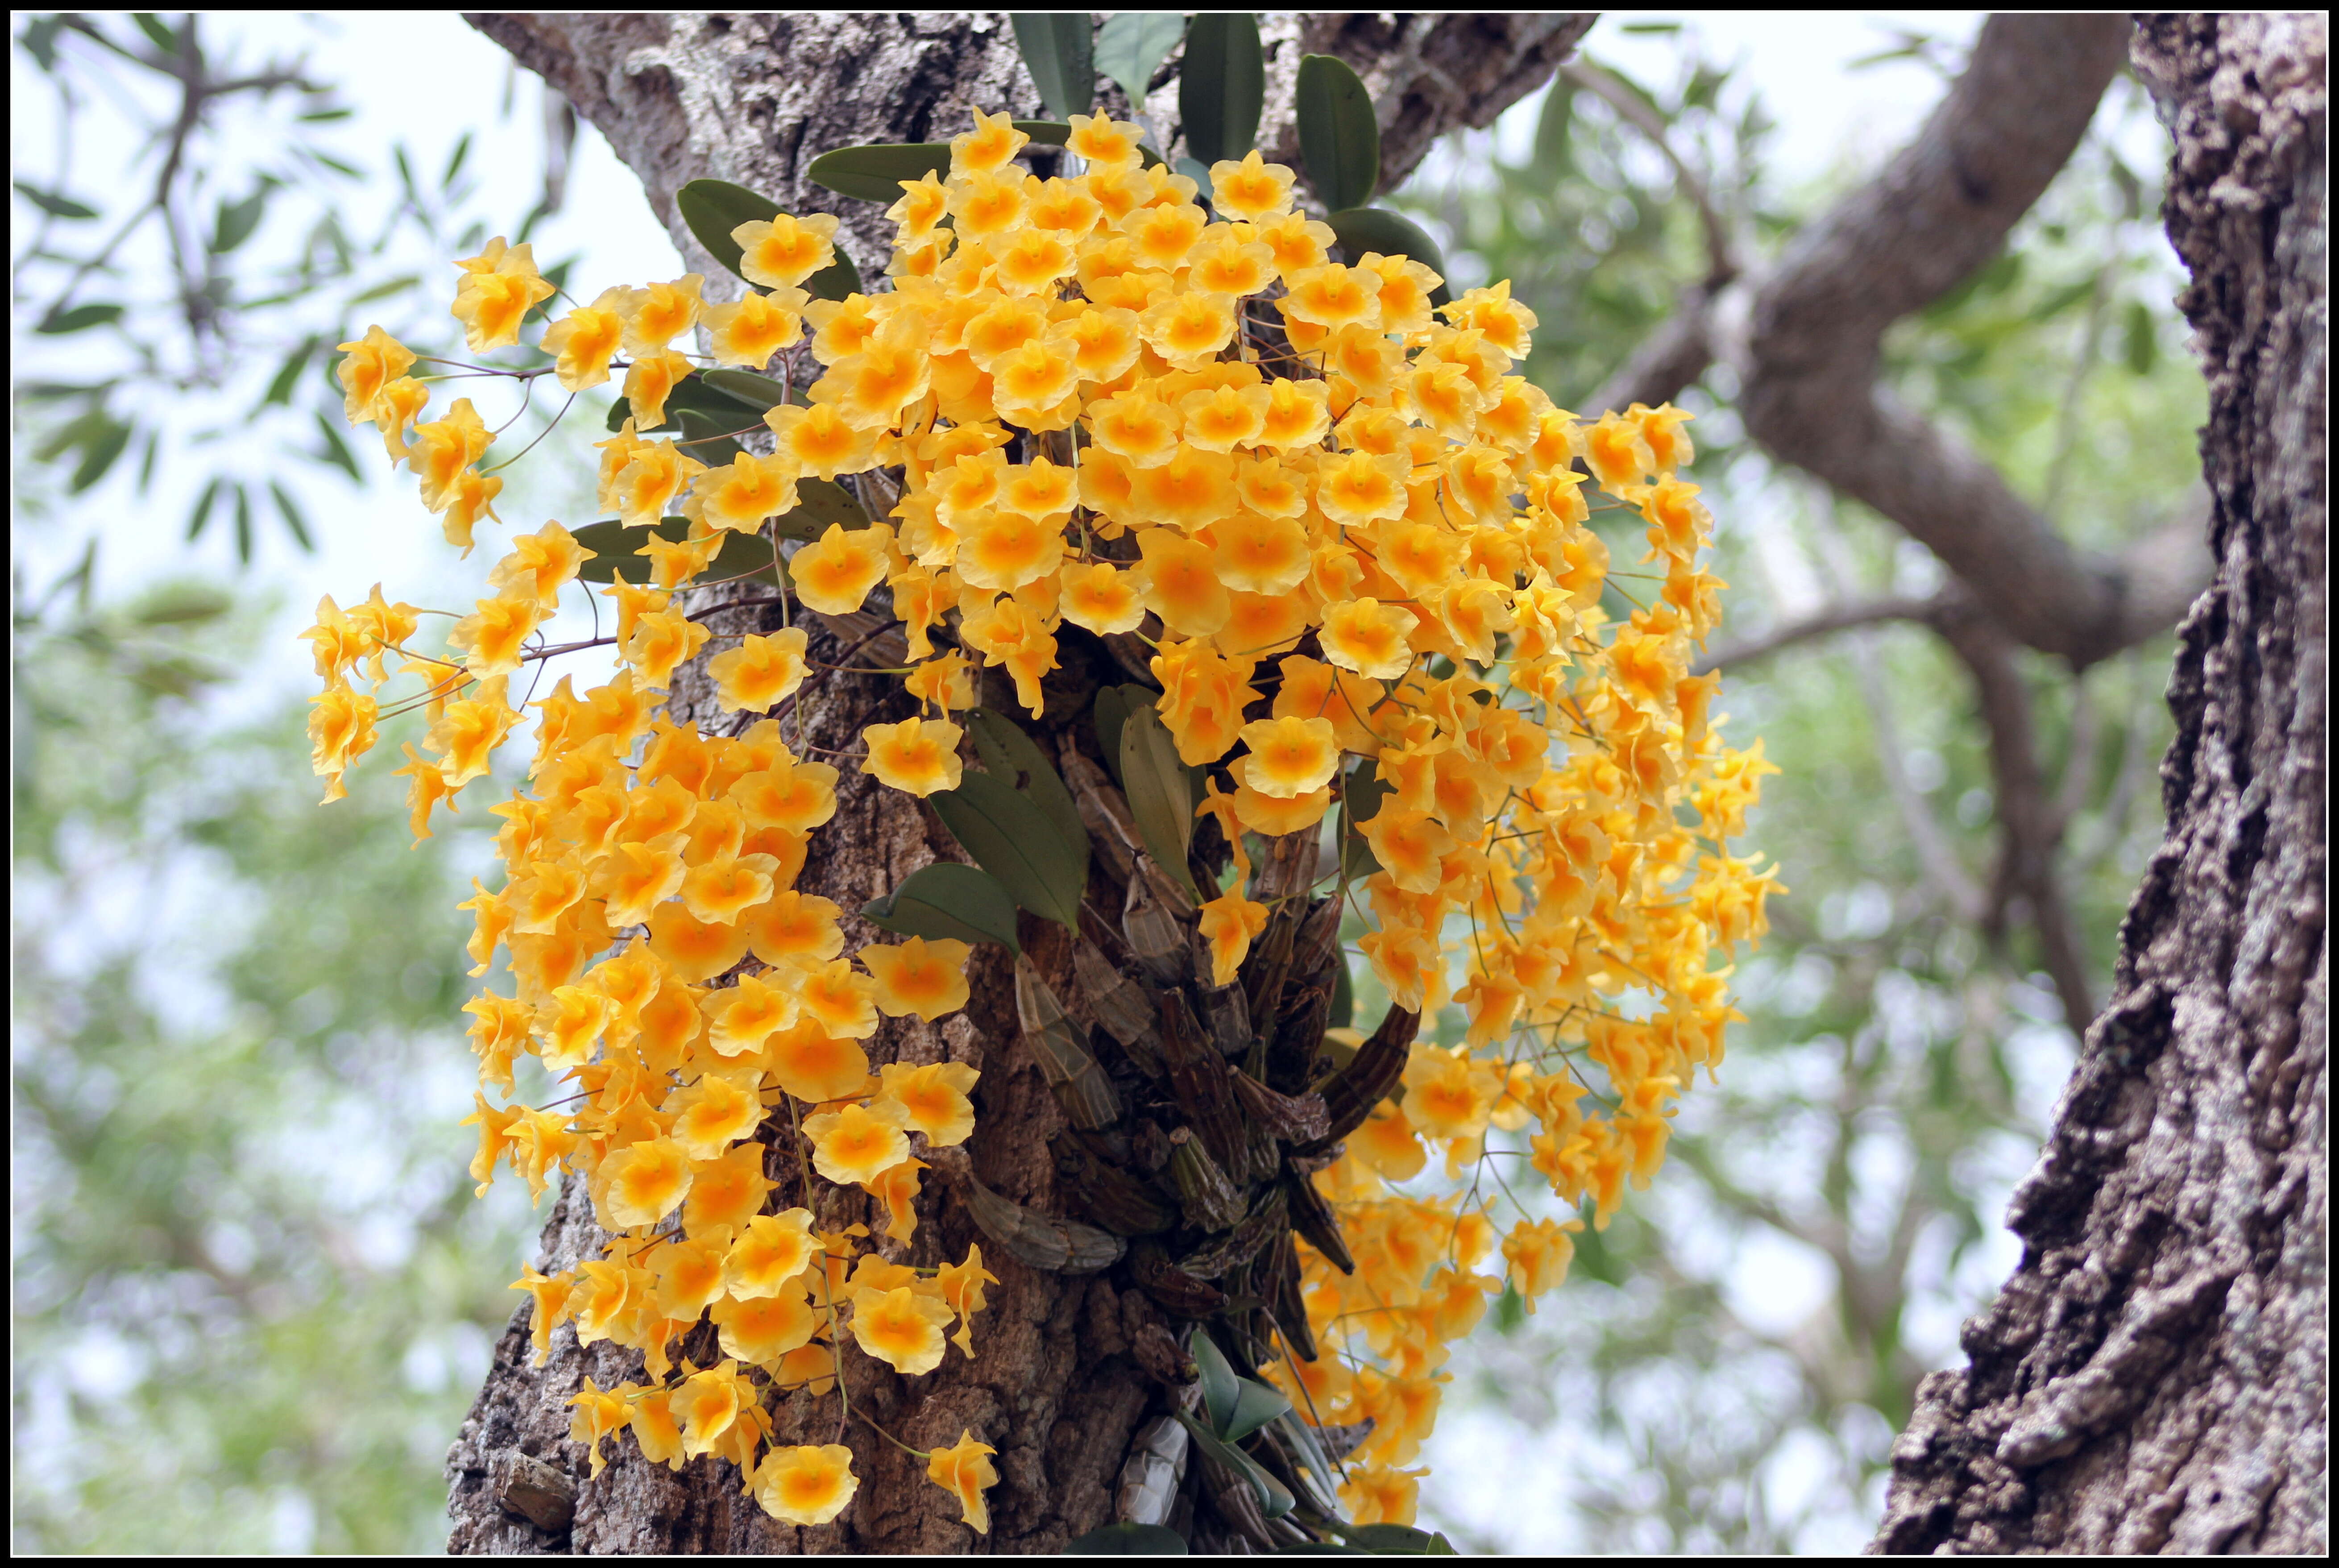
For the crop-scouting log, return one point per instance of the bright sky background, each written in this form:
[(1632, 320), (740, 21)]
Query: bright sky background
[(427, 77)]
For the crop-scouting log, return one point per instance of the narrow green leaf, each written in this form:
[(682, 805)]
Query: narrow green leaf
[(1010, 753), (384, 290), (821, 504), (615, 546), (1128, 1541), (947, 900), (2139, 345), (237, 220), (1132, 46), (1553, 127), (1111, 713), (154, 27), (1222, 1389), (875, 171), (1161, 797), (175, 604), (693, 392), (1221, 86), (146, 462), (40, 39), (455, 163), (324, 116), (55, 205), (749, 390), (98, 454), (1339, 140), (1275, 1499), (293, 520), (1055, 45), (1256, 1405), (836, 280), (288, 374), (1368, 229), (81, 318), (1360, 797), (202, 515), (1009, 838), (243, 524), (713, 208), (1396, 1540), (337, 450), (707, 437)]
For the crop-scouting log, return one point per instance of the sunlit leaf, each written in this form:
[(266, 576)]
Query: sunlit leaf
[(1221, 86)]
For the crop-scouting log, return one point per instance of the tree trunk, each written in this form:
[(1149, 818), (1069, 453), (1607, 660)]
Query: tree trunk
[(2153, 1378), (1057, 1387)]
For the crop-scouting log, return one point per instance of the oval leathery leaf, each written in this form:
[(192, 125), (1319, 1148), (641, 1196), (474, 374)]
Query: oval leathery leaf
[(710, 439), (1011, 838), (1256, 1405), (1040, 1240), (746, 388), (1112, 712), (1010, 753), (1364, 229), (1275, 1499), (838, 280), (875, 171), (1128, 1541), (1132, 46), (693, 391), (713, 208), (821, 504), (947, 900), (1161, 798), (615, 546), (1221, 86), (1220, 1390), (1339, 139), (1057, 49)]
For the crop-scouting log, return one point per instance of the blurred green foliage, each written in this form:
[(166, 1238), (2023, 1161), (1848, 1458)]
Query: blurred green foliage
[(179, 310), (254, 1292)]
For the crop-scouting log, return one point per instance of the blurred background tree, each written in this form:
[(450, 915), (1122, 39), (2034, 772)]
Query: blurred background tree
[(253, 1294)]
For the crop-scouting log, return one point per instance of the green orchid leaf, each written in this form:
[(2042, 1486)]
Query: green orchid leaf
[(1364, 229), (1012, 840), (713, 208), (1010, 753), (1339, 140), (1056, 47), (1221, 86), (1256, 1405), (1160, 791), (615, 546), (1275, 1499), (1132, 46), (1128, 1541), (947, 900)]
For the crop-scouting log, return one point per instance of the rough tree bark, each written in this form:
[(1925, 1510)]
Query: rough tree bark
[(2154, 1378), (1057, 1387)]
